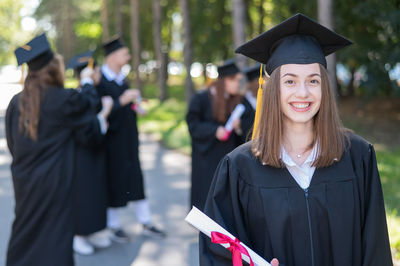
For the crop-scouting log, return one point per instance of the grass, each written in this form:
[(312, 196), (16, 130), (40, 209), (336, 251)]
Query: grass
[(167, 121)]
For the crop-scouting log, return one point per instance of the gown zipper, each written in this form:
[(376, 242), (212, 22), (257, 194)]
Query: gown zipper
[(309, 226)]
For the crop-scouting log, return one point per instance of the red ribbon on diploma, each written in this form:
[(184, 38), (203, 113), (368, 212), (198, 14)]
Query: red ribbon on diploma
[(234, 246)]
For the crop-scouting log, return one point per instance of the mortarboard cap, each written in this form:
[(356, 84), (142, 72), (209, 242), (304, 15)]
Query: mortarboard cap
[(297, 40), (228, 68), (113, 45), (36, 53), (80, 61), (252, 72)]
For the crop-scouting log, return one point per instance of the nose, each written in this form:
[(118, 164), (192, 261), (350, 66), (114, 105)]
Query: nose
[(302, 91)]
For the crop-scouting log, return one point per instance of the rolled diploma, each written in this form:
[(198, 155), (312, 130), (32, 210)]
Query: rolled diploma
[(236, 114), (206, 225)]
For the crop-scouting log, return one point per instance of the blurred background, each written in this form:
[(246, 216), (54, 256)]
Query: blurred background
[(176, 45)]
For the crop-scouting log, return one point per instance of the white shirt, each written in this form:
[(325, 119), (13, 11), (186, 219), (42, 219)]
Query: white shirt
[(302, 174), (112, 76), (252, 100)]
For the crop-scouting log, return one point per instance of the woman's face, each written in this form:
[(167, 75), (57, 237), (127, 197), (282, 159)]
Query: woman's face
[(232, 84), (300, 92)]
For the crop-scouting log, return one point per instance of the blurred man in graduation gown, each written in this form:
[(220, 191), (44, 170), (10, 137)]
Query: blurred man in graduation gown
[(90, 190), (249, 101), (41, 123), (208, 112), (304, 191), (124, 174)]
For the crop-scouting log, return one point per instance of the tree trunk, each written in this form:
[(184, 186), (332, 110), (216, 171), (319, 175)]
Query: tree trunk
[(187, 49), (261, 13), (104, 21), (158, 46), (239, 29), (135, 42), (118, 17), (350, 87), (325, 17)]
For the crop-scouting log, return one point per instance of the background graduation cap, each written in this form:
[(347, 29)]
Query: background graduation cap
[(297, 40), (252, 72), (36, 53), (113, 45), (80, 61), (228, 68)]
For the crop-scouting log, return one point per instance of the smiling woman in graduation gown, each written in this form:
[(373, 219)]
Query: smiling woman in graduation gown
[(337, 217), (43, 159), (207, 150)]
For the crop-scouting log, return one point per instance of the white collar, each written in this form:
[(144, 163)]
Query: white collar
[(251, 99), (111, 75), (310, 159)]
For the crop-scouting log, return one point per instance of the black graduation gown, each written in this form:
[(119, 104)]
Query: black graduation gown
[(90, 190), (339, 221), (247, 121), (207, 150), (42, 173), (124, 174)]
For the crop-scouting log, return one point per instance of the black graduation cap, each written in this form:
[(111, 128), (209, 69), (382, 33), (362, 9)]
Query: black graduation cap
[(228, 68), (80, 61), (112, 45), (252, 72), (37, 53), (297, 40)]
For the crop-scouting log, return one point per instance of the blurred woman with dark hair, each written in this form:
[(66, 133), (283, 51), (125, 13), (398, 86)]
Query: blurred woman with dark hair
[(208, 112), (41, 123)]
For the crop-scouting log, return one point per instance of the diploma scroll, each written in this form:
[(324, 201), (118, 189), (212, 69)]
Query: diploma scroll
[(206, 225), (236, 114)]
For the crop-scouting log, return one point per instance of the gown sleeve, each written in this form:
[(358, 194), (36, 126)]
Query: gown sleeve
[(89, 91), (202, 131), (224, 205), (376, 247), (79, 115)]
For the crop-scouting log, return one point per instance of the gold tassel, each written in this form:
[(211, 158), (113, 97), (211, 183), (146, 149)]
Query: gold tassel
[(259, 102), (91, 63)]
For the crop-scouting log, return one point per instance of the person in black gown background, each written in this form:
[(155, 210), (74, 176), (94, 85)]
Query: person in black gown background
[(249, 101), (207, 114), (124, 174), (90, 190), (305, 191), (41, 123)]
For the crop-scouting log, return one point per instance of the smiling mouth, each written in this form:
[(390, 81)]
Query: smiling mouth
[(301, 107)]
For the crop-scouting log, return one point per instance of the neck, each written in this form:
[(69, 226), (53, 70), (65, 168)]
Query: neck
[(298, 137), (114, 67)]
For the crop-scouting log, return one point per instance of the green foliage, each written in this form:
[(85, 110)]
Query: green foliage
[(10, 33), (167, 121)]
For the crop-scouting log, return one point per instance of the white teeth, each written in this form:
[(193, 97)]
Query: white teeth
[(301, 105)]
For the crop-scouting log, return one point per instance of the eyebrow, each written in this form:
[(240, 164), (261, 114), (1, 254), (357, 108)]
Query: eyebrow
[(294, 75)]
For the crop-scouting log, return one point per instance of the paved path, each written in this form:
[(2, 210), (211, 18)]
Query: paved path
[(167, 186)]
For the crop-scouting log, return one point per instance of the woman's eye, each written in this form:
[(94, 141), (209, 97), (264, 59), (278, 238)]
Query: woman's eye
[(314, 81), (289, 82)]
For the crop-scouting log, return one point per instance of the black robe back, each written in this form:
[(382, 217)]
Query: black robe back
[(338, 221), (90, 190), (247, 121), (124, 174), (42, 173), (207, 150)]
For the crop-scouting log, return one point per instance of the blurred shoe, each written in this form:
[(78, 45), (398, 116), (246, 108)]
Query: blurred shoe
[(152, 231), (119, 236), (82, 246), (99, 240)]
